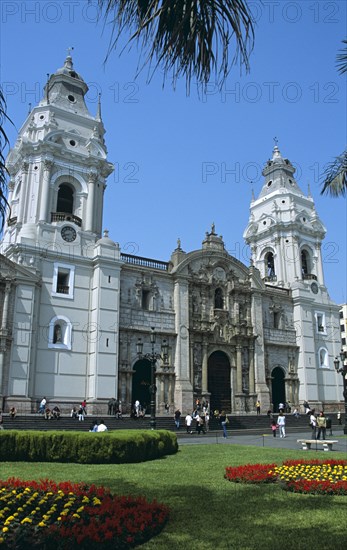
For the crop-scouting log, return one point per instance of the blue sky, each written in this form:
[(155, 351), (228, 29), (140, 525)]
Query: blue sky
[(183, 162)]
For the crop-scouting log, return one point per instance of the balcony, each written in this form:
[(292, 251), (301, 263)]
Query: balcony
[(65, 217), (279, 336), (309, 277), (270, 279), (144, 262), (12, 221), (62, 289)]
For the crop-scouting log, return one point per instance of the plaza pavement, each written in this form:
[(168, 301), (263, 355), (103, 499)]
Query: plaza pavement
[(263, 440)]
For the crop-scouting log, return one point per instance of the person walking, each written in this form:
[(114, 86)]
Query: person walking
[(281, 421), (223, 422), (177, 418), (1, 421), (42, 406), (188, 421), (322, 425), (339, 418), (274, 427), (313, 424), (258, 407), (329, 425)]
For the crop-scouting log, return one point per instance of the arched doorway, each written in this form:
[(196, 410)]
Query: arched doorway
[(141, 383), (219, 381), (278, 387)]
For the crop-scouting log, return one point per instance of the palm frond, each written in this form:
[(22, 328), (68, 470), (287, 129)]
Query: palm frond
[(335, 177), (341, 59), (3, 171), (185, 37)]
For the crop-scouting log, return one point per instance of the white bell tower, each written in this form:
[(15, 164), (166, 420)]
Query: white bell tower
[(284, 230), (58, 169), (285, 235)]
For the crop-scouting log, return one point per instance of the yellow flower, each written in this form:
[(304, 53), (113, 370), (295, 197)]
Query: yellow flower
[(26, 520), (4, 529)]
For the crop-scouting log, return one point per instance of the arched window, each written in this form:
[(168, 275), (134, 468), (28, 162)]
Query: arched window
[(323, 358), (305, 262), (57, 334), (218, 298), (60, 333), (65, 200), (270, 265)]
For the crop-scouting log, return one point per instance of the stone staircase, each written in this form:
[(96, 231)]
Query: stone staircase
[(237, 423)]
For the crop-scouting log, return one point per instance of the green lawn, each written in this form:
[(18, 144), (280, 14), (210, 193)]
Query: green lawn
[(208, 512)]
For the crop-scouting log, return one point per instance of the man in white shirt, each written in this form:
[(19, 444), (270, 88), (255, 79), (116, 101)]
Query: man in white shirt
[(42, 406), (281, 422), (102, 427), (189, 420)]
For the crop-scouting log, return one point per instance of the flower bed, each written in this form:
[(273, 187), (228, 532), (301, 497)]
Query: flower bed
[(251, 473), (300, 476), (65, 515)]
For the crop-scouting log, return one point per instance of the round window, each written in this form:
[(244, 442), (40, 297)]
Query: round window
[(71, 98), (72, 142)]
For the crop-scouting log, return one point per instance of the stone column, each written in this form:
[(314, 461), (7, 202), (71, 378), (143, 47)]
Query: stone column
[(21, 205), (251, 369), (318, 259), (204, 377), (44, 204), (5, 306), (4, 332), (171, 389), (128, 390), (239, 368), (92, 179)]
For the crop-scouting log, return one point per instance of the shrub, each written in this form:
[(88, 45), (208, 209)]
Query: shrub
[(117, 447)]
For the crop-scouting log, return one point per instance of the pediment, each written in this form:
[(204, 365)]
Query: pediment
[(11, 270)]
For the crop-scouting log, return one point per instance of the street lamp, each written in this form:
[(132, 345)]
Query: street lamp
[(152, 358), (343, 371)]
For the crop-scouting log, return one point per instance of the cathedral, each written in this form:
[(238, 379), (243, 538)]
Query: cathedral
[(75, 309)]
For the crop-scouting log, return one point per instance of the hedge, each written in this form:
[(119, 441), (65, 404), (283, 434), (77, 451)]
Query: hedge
[(117, 447)]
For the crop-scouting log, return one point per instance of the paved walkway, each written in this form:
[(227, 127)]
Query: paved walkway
[(265, 440)]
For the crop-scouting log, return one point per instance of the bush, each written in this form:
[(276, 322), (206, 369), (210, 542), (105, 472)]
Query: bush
[(119, 447)]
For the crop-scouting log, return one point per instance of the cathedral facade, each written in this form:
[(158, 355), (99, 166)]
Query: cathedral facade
[(73, 307)]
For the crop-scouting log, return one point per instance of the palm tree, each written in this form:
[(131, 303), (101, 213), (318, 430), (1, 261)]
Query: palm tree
[(3, 171), (335, 176), (184, 37)]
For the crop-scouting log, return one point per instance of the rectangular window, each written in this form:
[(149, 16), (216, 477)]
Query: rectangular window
[(63, 281), (320, 322), (145, 301), (276, 319)]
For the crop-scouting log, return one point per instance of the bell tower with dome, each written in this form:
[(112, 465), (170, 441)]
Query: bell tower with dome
[(285, 235), (58, 169)]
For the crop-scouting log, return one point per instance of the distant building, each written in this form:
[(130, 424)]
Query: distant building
[(343, 326), (73, 306)]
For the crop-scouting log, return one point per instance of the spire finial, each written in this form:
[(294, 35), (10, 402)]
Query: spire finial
[(98, 112), (276, 151), (68, 60), (309, 190)]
